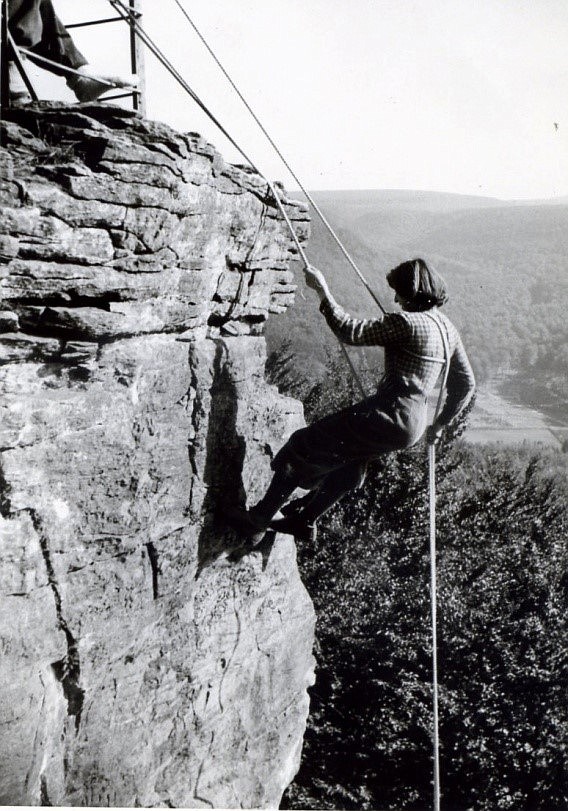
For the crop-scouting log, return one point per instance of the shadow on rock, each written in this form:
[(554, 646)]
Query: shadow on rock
[(223, 474), (247, 546)]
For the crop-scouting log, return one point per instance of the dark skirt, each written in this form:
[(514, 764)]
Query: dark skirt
[(356, 434)]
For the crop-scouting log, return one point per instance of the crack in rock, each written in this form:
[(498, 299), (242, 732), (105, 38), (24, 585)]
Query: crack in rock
[(67, 670)]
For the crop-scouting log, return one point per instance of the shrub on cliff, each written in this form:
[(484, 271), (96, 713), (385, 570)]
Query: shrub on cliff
[(502, 566)]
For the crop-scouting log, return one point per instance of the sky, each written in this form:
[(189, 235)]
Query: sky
[(447, 95)]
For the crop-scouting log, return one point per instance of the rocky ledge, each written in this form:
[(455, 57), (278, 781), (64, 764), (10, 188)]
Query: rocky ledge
[(148, 658)]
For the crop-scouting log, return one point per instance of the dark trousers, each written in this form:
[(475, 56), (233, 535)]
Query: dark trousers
[(330, 456), (330, 488), (35, 26)]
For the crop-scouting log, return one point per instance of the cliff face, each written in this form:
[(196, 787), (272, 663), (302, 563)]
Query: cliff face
[(145, 658)]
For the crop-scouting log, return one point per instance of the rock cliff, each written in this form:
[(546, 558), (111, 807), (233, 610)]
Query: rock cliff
[(146, 657)]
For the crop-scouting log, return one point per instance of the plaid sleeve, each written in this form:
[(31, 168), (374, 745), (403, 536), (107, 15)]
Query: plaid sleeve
[(391, 328)]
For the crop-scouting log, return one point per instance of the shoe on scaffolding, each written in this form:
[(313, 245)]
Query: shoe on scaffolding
[(90, 85)]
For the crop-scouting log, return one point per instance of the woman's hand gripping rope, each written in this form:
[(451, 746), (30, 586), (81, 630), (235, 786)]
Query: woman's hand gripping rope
[(316, 281), (434, 433)]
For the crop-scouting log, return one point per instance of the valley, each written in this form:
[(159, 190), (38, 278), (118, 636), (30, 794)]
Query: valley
[(506, 265)]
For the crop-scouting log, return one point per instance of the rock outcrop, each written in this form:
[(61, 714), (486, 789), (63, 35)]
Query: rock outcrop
[(147, 657)]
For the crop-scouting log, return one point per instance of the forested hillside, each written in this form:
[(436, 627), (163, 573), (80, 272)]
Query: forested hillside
[(502, 634), (506, 265), (502, 523), (502, 563)]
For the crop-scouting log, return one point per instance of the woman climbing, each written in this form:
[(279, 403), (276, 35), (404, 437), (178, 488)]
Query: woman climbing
[(329, 457)]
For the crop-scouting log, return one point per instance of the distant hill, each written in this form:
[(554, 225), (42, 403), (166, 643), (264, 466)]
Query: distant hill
[(506, 264), (401, 198), (423, 199)]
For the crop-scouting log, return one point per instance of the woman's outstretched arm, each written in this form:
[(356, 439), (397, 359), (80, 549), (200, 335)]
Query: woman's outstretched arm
[(387, 329)]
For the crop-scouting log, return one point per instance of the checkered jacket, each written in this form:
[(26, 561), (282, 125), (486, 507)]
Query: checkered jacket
[(414, 352)]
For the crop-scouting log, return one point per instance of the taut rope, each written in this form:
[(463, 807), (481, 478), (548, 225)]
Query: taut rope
[(433, 583), (126, 14)]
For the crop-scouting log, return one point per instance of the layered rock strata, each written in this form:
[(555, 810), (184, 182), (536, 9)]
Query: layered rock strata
[(147, 657)]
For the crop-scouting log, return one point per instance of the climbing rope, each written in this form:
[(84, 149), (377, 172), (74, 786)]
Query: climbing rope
[(126, 14), (306, 262), (433, 618), (432, 543)]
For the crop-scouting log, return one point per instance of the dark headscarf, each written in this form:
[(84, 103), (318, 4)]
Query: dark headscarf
[(418, 284)]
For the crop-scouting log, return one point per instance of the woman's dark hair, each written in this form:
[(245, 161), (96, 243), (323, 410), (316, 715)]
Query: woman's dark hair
[(418, 284)]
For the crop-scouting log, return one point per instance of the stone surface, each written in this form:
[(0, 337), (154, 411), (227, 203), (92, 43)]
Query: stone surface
[(147, 657)]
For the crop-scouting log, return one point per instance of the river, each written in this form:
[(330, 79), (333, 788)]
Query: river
[(497, 419)]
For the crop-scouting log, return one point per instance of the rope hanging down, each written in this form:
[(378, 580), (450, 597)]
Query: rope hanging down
[(431, 447), (433, 617), (125, 13), (433, 583)]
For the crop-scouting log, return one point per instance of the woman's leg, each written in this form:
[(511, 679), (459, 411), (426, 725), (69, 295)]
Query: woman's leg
[(283, 484), (301, 522), (335, 485)]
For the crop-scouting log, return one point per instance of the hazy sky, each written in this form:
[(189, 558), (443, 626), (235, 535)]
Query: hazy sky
[(451, 95)]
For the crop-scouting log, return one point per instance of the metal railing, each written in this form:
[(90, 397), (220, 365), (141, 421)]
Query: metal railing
[(10, 51)]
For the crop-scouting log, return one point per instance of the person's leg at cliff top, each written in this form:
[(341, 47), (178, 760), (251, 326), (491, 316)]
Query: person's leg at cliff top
[(35, 26)]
